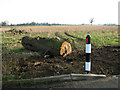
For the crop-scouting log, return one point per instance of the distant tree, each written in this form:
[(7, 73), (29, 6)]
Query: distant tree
[(4, 23), (91, 20), (33, 23), (83, 24)]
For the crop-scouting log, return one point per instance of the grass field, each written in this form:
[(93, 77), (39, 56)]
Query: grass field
[(13, 51), (100, 35)]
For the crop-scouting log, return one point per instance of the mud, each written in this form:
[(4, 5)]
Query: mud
[(105, 60)]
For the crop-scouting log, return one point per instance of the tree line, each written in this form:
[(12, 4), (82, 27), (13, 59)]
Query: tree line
[(5, 23)]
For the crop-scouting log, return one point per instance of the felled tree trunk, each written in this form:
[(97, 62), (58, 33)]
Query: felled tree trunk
[(47, 46)]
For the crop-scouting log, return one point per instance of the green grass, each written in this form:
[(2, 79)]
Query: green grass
[(99, 38)]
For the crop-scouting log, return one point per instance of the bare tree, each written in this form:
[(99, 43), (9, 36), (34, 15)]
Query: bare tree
[(91, 20)]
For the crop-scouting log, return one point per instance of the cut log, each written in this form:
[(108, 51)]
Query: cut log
[(65, 49), (47, 46)]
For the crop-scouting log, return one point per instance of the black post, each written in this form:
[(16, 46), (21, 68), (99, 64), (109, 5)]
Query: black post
[(88, 51)]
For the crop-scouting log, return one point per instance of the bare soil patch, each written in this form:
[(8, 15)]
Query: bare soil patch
[(105, 60)]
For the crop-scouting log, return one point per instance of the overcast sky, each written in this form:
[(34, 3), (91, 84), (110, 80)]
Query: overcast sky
[(59, 11)]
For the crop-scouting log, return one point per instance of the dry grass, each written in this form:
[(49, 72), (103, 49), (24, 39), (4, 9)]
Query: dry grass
[(36, 29)]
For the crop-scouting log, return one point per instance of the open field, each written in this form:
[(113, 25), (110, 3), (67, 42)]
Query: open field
[(18, 63), (62, 28)]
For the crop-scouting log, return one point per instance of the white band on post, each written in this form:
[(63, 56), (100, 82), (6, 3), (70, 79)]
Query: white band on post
[(88, 48), (87, 66)]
